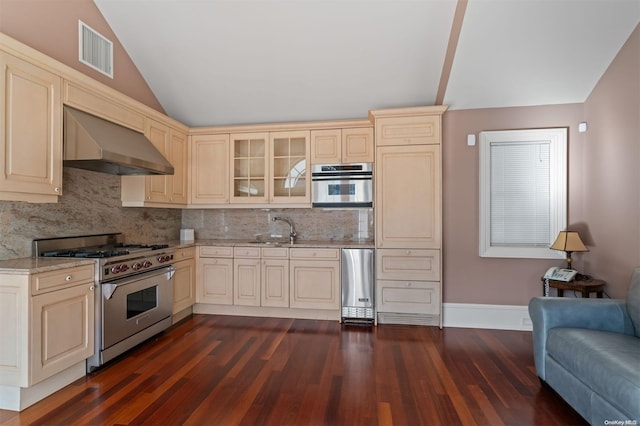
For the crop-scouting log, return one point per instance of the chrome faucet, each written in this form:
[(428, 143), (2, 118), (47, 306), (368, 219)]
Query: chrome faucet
[(292, 231)]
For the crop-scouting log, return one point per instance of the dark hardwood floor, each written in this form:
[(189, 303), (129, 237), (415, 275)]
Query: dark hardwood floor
[(221, 370)]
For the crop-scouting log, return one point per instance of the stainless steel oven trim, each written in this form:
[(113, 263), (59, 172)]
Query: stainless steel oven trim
[(358, 176)]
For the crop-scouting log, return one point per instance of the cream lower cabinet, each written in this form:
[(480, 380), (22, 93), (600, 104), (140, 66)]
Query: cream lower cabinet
[(214, 279), (46, 333), (314, 276), (408, 286), (31, 132), (184, 282), (246, 276), (274, 272)]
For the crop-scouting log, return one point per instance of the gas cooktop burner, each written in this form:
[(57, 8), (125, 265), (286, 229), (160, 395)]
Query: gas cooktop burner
[(85, 253)]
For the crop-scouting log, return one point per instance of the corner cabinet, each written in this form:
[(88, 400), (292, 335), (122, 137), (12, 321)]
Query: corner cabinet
[(31, 132), (408, 215), (163, 190)]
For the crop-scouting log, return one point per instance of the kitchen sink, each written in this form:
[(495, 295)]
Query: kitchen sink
[(267, 243)]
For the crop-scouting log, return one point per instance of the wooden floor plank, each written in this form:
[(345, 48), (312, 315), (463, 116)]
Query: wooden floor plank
[(223, 370)]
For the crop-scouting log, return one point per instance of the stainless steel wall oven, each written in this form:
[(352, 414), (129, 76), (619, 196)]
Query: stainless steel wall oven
[(342, 185)]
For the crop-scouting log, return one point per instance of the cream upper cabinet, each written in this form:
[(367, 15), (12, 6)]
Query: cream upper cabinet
[(326, 146), (408, 201), (210, 169), (249, 168), (408, 130), (349, 145), (290, 179), (270, 168), (161, 190), (31, 132)]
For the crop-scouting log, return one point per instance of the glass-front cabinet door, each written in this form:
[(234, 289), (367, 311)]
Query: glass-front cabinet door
[(249, 155), (290, 178)]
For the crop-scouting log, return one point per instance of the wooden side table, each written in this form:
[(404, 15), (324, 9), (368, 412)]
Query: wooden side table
[(585, 287)]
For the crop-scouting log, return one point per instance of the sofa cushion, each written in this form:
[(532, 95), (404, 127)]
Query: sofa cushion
[(633, 301), (609, 363)]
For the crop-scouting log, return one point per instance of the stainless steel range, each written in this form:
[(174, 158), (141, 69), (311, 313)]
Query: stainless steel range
[(135, 289)]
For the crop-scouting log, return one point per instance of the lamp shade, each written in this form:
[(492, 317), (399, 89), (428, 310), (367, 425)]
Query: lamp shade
[(568, 241)]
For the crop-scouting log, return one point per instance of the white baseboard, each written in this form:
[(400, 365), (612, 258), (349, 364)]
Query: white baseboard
[(498, 317)]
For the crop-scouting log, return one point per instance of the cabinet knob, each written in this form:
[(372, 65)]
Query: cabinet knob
[(409, 284), (68, 278), (91, 288), (408, 252), (57, 189)]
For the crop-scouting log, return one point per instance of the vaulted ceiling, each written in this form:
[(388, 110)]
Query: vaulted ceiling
[(213, 62)]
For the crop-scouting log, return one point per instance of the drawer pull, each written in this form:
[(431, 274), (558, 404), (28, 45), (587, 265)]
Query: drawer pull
[(68, 278)]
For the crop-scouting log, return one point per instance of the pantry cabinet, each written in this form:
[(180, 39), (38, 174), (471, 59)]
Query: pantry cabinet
[(184, 282), (408, 215), (31, 136)]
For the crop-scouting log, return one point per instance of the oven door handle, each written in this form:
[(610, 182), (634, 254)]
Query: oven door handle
[(108, 290)]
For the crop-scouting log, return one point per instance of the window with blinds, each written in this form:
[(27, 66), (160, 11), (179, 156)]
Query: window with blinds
[(523, 180)]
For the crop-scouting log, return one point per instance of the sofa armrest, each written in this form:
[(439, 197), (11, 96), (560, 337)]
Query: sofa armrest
[(554, 312)]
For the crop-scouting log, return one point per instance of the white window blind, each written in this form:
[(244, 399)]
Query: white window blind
[(520, 194), (523, 192)]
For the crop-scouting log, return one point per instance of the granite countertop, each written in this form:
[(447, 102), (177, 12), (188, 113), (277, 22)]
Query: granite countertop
[(297, 244), (33, 265)]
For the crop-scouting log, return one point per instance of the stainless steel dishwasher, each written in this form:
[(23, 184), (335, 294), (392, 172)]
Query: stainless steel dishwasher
[(357, 283)]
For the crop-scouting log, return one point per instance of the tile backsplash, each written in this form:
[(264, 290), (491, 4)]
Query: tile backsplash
[(310, 224), (90, 204)]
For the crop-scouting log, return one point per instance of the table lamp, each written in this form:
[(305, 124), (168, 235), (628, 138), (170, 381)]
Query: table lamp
[(568, 242)]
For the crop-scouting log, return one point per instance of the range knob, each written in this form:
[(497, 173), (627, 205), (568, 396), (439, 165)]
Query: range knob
[(124, 267), (164, 258), (136, 266), (146, 264), (116, 268)]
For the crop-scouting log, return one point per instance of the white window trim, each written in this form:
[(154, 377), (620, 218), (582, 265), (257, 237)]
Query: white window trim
[(558, 174)]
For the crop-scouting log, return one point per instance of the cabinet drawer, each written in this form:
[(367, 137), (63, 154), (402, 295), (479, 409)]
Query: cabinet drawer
[(215, 251), (100, 105), (413, 130), (275, 253), (186, 253), (315, 254), (399, 264), (411, 297), (246, 252), (62, 278)]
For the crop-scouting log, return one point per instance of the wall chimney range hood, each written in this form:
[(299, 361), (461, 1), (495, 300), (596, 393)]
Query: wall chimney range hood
[(93, 143)]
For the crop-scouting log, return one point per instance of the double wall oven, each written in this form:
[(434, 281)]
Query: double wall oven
[(135, 289)]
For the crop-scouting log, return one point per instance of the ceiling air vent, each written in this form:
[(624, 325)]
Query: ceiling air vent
[(95, 50)]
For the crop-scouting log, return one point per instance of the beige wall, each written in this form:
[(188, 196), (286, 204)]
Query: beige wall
[(51, 26), (604, 189), (611, 170), (468, 278)]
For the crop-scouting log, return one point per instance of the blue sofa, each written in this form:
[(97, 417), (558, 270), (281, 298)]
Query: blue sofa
[(588, 351)]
